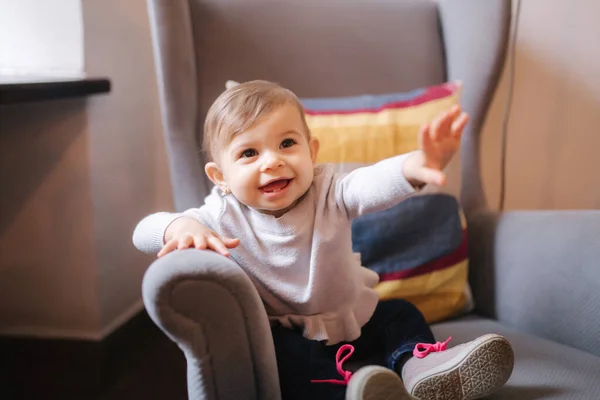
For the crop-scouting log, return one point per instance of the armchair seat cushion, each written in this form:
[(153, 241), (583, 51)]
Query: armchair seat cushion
[(543, 369)]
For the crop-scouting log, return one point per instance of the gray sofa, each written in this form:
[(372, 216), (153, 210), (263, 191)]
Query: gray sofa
[(535, 275)]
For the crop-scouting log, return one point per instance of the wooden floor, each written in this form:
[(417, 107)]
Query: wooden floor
[(157, 373), (153, 369)]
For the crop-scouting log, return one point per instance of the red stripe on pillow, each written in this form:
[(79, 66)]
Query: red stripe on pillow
[(460, 254), (431, 93)]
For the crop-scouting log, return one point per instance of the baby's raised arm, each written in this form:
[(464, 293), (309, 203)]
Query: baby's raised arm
[(385, 184), (373, 188)]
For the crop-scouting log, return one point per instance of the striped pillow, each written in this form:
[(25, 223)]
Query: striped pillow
[(419, 247)]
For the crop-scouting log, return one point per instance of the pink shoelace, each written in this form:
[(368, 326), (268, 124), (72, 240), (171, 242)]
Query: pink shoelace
[(340, 359), (339, 362), (429, 348)]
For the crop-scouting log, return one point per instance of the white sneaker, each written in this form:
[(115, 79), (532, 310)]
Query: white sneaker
[(465, 372), (376, 383)]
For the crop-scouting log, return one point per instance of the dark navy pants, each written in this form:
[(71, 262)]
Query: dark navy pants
[(392, 332)]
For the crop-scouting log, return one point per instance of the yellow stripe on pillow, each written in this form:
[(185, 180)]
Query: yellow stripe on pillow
[(441, 292), (364, 144)]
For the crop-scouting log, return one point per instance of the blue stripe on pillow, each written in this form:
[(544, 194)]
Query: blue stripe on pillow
[(416, 231), (358, 102)]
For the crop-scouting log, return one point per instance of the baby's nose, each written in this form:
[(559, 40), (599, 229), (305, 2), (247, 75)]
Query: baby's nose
[(272, 161)]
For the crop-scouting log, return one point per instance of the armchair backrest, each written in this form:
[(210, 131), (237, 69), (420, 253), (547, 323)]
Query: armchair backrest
[(321, 48)]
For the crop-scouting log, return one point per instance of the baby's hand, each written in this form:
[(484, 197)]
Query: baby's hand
[(438, 143), (441, 140), (185, 232)]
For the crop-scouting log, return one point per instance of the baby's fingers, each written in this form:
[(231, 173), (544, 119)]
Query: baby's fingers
[(230, 243), (440, 127), (185, 242), (215, 244), (168, 247), (200, 242), (459, 124)]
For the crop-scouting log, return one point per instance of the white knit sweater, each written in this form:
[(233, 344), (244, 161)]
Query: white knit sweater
[(302, 263)]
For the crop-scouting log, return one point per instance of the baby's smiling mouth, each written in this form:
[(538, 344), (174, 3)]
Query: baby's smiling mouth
[(275, 186)]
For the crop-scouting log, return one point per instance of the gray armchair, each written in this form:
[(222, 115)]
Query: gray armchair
[(535, 275)]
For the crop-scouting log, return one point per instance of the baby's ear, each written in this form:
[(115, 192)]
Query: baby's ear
[(230, 84), (215, 174), (314, 145)]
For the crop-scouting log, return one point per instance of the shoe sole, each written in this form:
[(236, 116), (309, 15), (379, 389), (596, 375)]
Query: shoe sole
[(484, 369), (376, 383)]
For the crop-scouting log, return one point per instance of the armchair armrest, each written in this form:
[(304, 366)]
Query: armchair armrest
[(540, 271), (207, 305)]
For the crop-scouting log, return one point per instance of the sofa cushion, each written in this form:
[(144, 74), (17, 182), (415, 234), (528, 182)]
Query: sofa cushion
[(419, 249), (543, 369)]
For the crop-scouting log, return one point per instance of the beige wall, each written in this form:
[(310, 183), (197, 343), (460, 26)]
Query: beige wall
[(75, 177), (47, 264), (554, 130), (129, 173)]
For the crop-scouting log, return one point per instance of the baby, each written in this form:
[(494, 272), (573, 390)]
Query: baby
[(287, 222)]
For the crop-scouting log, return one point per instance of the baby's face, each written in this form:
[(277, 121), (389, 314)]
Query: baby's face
[(270, 166)]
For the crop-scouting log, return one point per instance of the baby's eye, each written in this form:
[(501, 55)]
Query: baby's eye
[(287, 143), (248, 153)]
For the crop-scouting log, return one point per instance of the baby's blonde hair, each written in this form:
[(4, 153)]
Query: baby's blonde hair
[(238, 109)]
